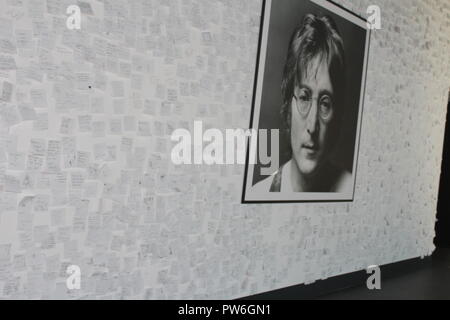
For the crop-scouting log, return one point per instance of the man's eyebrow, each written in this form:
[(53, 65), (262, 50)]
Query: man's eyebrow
[(325, 92), (322, 92), (304, 86)]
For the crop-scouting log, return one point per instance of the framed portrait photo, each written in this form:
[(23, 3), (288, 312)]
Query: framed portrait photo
[(307, 103)]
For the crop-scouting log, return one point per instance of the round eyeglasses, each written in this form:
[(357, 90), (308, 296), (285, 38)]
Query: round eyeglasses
[(304, 100)]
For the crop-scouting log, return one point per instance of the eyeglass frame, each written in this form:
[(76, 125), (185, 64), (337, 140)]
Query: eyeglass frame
[(326, 118)]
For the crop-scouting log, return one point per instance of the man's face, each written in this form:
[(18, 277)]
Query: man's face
[(312, 117)]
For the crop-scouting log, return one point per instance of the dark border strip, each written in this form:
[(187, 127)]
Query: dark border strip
[(255, 85), (342, 282)]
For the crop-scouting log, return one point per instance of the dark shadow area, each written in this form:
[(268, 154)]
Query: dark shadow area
[(355, 281), (442, 239), (416, 279), (431, 282)]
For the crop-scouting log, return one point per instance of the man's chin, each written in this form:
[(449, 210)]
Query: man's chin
[(307, 167)]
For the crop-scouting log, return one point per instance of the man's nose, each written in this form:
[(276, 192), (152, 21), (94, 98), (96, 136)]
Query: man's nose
[(312, 124)]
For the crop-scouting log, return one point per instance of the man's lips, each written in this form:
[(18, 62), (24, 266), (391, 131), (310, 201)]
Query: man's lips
[(310, 147)]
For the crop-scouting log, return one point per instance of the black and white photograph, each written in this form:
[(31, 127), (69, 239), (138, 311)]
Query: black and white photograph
[(307, 103)]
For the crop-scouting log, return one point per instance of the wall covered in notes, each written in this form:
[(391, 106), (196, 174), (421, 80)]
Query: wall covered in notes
[(85, 172)]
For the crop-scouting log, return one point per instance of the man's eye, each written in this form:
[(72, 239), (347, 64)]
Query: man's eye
[(325, 104), (303, 96)]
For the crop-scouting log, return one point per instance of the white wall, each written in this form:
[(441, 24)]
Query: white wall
[(139, 227)]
